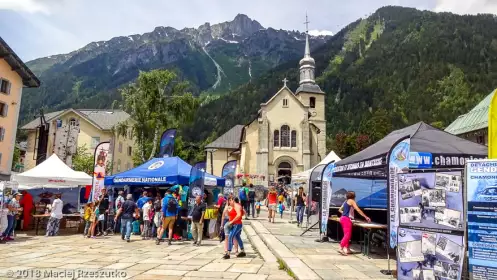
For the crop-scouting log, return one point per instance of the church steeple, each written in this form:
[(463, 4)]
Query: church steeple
[(307, 66)]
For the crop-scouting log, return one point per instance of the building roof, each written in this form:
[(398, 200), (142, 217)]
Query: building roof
[(28, 78), (101, 118), (230, 140), (475, 119), (311, 88)]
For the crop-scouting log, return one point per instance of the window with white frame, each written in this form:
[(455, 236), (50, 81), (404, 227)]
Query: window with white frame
[(4, 86), (95, 141)]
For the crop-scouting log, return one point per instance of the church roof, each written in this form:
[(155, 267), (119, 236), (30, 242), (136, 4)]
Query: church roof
[(311, 88), (475, 119), (230, 140)]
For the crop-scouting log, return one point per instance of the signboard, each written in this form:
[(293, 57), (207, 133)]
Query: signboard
[(398, 159), (481, 193), (326, 191), (431, 225), (101, 160)]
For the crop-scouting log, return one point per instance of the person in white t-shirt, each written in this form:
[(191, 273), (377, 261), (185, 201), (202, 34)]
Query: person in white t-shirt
[(55, 216), (147, 219)]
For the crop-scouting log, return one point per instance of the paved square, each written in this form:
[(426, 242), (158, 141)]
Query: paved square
[(38, 257)]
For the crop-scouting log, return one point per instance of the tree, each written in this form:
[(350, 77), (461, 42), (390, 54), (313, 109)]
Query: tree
[(15, 157), (155, 102), (83, 160)]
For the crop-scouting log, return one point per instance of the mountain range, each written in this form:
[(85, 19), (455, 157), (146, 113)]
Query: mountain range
[(389, 70), (213, 58), (394, 68)]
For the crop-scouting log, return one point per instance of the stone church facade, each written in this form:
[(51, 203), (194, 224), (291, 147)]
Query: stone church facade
[(287, 137)]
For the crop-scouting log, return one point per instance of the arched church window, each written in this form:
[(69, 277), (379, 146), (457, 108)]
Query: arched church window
[(285, 165), (312, 102), (276, 137), (285, 136), (294, 138)]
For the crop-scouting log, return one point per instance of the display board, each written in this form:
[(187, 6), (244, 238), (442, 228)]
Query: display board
[(481, 182), (430, 236)]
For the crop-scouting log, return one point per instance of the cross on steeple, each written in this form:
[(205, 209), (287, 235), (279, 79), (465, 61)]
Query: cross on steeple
[(306, 23), (285, 81)]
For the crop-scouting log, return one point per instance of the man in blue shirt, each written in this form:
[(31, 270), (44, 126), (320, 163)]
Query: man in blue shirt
[(169, 212), (141, 201)]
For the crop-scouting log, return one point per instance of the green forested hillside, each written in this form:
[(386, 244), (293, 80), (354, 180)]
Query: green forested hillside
[(395, 68)]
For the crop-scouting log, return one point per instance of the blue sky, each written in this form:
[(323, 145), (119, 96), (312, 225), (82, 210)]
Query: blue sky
[(37, 28)]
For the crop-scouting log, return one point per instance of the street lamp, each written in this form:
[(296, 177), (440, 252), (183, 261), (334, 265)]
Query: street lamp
[(212, 164)]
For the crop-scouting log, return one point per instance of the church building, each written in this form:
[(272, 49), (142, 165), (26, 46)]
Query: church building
[(287, 137)]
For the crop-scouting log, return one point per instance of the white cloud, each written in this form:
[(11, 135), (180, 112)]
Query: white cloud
[(28, 6), (320, 33), (467, 6)]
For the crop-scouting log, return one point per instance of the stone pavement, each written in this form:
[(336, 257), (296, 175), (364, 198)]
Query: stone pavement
[(309, 260), (37, 257)]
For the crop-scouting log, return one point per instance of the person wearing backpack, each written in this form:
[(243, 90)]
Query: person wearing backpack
[(251, 201), (169, 212), (243, 196)]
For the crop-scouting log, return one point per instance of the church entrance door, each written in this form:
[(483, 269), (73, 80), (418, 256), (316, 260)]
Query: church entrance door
[(285, 172)]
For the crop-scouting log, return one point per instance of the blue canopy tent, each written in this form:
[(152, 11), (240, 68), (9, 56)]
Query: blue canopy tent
[(157, 171), (160, 171)]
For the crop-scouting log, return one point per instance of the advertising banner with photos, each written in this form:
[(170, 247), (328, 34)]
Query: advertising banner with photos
[(398, 160), (481, 193), (431, 218)]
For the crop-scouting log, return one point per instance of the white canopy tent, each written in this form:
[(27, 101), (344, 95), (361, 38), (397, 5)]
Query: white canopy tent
[(53, 172), (304, 176)]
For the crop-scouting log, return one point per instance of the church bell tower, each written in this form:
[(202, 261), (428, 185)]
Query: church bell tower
[(311, 95)]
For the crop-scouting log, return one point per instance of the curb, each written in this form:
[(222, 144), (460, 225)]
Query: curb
[(283, 261)]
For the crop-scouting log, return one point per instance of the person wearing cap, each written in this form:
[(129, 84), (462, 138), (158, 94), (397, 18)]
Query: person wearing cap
[(55, 216), (127, 211), (14, 209)]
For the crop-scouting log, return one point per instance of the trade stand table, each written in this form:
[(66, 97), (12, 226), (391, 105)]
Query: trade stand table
[(367, 230), (39, 217)]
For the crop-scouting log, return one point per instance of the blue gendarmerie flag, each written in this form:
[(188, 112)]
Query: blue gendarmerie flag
[(201, 165), (196, 186), (228, 173), (166, 148)]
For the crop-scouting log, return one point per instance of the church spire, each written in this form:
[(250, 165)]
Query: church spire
[(307, 64)]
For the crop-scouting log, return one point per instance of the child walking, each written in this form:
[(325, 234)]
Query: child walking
[(281, 208), (147, 217), (258, 205), (87, 218)]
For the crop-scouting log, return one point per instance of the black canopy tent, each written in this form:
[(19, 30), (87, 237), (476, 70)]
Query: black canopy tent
[(444, 150)]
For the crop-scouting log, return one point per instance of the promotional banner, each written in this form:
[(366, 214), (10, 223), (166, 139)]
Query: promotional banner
[(492, 127), (398, 159), (229, 170), (166, 148), (481, 194), (101, 154), (196, 186), (202, 165), (326, 191), (431, 232)]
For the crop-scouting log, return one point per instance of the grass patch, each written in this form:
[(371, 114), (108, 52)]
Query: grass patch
[(282, 266)]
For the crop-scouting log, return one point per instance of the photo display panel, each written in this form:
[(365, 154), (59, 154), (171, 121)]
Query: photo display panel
[(431, 232), (481, 193)]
